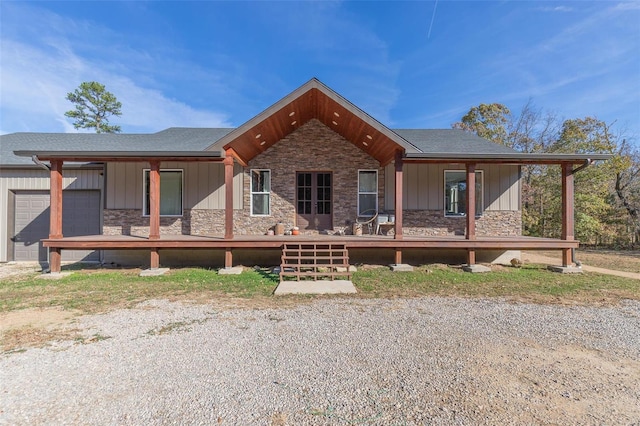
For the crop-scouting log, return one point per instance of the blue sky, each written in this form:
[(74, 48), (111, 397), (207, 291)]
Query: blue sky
[(416, 64)]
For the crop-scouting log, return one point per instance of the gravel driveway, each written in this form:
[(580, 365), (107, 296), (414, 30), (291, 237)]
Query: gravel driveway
[(337, 361)]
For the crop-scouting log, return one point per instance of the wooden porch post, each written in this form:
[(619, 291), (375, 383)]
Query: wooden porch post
[(398, 198), (55, 203), (155, 258), (471, 210), (228, 258), (567, 211), (398, 205), (154, 200), (55, 214), (228, 197), (154, 211)]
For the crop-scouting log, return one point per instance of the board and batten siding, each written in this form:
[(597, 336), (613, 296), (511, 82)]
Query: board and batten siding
[(25, 179), (423, 186), (203, 185)]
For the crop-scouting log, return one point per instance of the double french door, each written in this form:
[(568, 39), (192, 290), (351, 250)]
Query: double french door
[(314, 200)]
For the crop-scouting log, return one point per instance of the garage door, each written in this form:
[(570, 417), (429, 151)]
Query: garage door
[(80, 216)]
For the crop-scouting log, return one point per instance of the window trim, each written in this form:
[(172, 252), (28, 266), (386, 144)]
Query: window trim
[(252, 193), (376, 193), (144, 192), (479, 179)]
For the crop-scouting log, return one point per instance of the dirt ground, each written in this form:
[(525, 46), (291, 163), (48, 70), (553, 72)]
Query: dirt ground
[(562, 381), (611, 263), (566, 384), (41, 324), (525, 382)]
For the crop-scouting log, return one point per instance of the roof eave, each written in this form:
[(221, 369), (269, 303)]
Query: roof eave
[(101, 156), (505, 158)]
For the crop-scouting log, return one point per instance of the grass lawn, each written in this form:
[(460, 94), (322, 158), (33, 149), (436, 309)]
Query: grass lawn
[(90, 291)]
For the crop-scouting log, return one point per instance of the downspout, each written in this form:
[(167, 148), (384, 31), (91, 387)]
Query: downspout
[(37, 161), (586, 164)]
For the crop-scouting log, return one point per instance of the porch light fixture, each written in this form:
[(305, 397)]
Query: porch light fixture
[(293, 122), (334, 123), (258, 135), (369, 137), (365, 144), (336, 114), (263, 142), (292, 113)]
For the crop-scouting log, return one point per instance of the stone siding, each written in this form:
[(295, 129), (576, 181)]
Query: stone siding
[(433, 223), (193, 222), (312, 147)]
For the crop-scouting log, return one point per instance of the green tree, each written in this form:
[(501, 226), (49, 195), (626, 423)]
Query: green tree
[(93, 106), (627, 185), (488, 121), (607, 194), (599, 217)]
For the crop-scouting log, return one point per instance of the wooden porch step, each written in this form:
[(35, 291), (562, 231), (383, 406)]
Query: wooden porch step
[(314, 261)]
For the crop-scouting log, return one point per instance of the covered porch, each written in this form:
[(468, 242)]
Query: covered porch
[(469, 243)]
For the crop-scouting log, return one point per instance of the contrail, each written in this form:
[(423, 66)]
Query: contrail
[(433, 17)]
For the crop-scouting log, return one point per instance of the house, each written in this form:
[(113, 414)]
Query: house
[(313, 160)]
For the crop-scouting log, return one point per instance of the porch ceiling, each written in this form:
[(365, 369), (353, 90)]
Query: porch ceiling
[(314, 100)]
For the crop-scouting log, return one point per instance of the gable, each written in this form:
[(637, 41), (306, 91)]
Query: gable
[(314, 101)]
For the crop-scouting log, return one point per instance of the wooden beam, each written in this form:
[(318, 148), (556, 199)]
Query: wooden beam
[(398, 257), (398, 197), (155, 258), (512, 161), (228, 196), (275, 242), (567, 202), (55, 260), (154, 200), (230, 152), (228, 258), (566, 257), (471, 201), (471, 257), (116, 159), (55, 200), (567, 210)]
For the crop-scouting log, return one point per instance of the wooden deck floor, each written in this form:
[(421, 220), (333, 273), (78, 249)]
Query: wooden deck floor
[(265, 241)]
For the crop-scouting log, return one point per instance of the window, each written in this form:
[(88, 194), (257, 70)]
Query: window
[(170, 193), (367, 191), (455, 193), (260, 192)]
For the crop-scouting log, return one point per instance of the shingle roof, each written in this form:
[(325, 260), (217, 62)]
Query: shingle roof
[(451, 141), (445, 141), (172, 139), (431, 143)]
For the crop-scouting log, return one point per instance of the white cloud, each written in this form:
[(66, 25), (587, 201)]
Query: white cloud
[(556, 9), (40, 67)]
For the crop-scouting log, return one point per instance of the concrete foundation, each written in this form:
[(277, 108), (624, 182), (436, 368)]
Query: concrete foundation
[(53, 276), (401, 267), (153, 272), (315, 287), (234, 270), (565, 269), (476, 269)]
